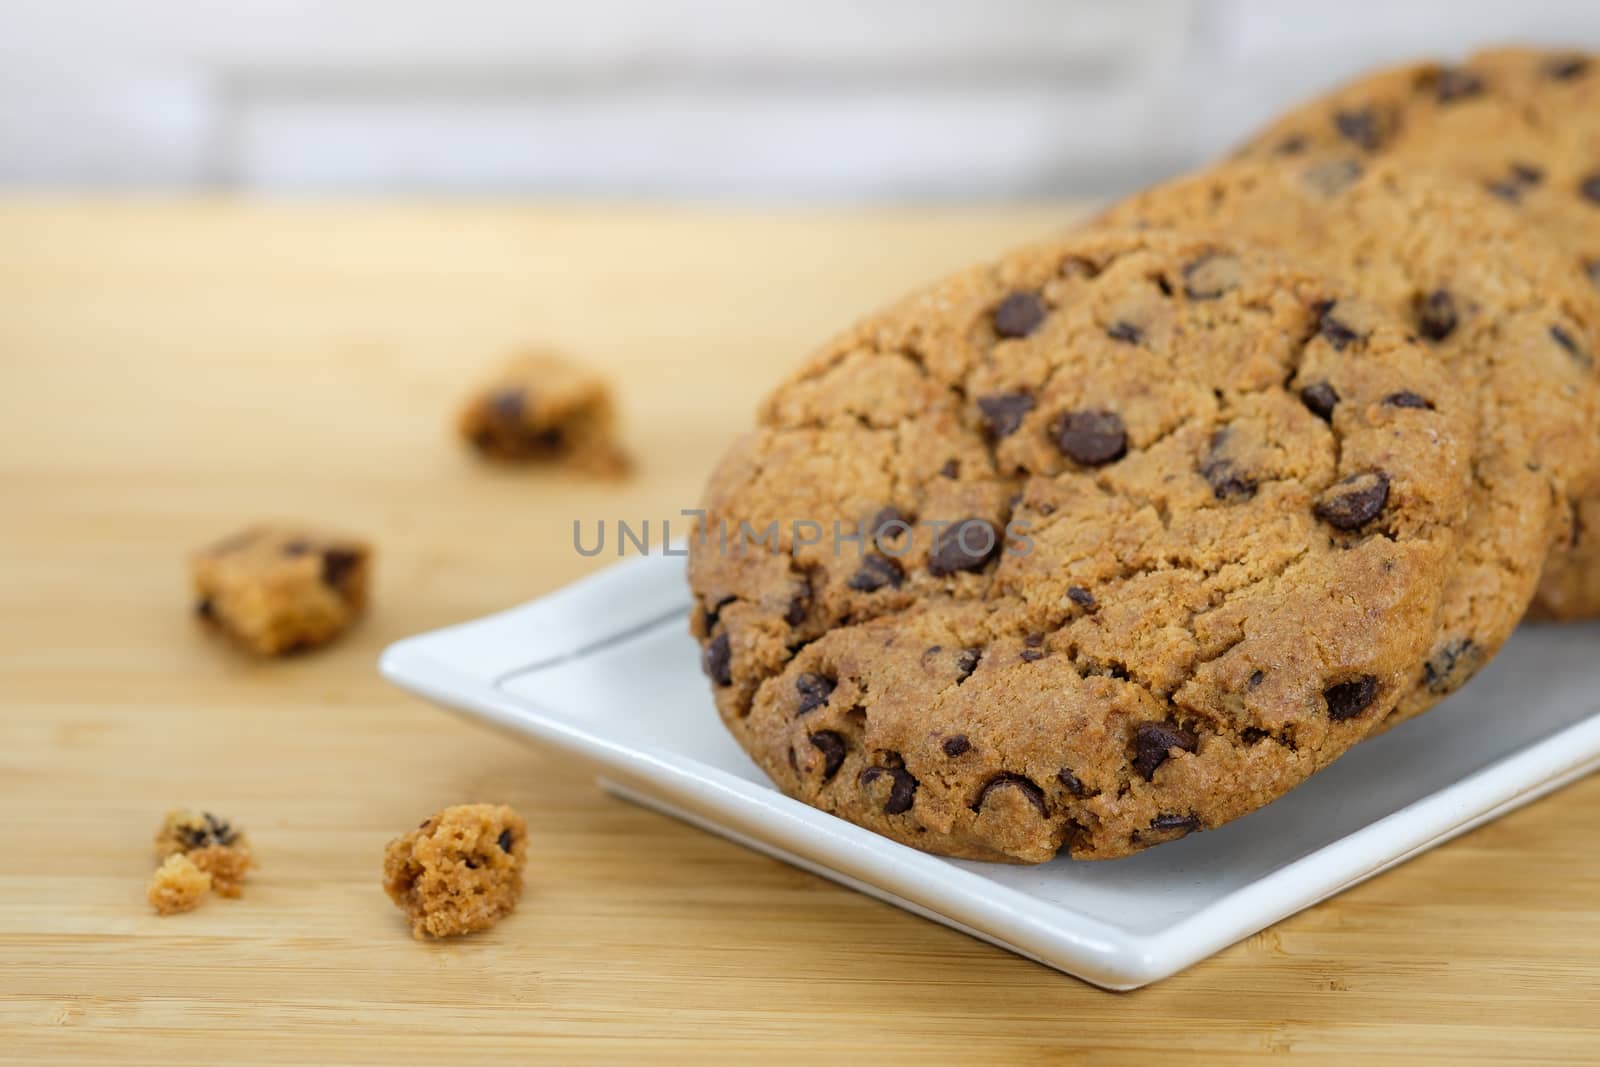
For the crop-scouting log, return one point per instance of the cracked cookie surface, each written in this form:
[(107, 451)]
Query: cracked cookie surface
[(1156, 531), (1522, 124), (1501, 307)]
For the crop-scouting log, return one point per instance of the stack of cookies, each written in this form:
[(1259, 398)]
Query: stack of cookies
[(1130, 532)]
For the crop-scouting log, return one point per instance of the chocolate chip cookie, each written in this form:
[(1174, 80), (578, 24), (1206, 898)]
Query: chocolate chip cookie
[(459, 871), (1116, 539), (1500, 305), (541, 407), (1525, 126), (278, 590)]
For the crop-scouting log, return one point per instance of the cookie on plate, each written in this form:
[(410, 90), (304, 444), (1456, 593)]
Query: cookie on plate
[(1072, 551), (1502, 308), (1525, 126)]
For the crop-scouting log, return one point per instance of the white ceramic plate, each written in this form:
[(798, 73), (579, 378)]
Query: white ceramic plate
[(606, 669)]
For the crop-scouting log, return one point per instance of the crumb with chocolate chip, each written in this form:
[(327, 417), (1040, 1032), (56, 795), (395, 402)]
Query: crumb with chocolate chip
[(541, 407), (459, 871), (178, 885), (212, 844), (277, 590)]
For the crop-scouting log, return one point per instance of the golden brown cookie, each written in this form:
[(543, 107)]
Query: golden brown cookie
[(277, 590), (458, 872), (1156, 530), (1499, 304), (1523, 124), (541, 407)]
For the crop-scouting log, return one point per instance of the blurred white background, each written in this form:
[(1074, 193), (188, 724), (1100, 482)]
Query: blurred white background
[(824, 99)]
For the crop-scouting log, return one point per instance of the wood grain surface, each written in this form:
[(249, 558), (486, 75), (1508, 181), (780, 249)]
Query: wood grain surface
[(170, 370)]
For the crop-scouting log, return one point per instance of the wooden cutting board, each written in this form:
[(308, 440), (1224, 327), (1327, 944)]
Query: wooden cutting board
[(171, 370)]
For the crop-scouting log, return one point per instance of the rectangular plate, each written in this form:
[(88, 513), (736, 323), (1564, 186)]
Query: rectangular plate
[(606, 669)]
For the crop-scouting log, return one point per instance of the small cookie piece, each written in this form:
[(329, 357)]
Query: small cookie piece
[(214, 845), (541, 407), (178, 885), (460, 871), (1175, 536), (277, 590)]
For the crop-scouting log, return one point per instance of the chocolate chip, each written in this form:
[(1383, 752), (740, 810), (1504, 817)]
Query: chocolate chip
[(951, 468), (507, 406), (1210, 276), (1030, 792), (814, 690), (1570, 343), (504, 840), (1153, 743), (297, 547), (1032, 655), (1527, 173), (1453, 83), (831, 745), (1071, 782), (1335, 332), (1092, 438), (1407, 399), (717, 659), (1590, 188), (1256, 678), (1253, 735), (1019, 315), (1565, 68), (205, 609), (1080, 596), (957, 745), (890, 523), (1451, 666), (468, 861), (1320, 399), (1361, 127), (1003, 412), (1436, 315), (1125, 332), (902, 790), (1228, 483), (1173, 823), (966, 663), (1591, 267), (875, 572), (800, 603), (1349, 699), (1354, 502), (1291, 145), (337, 563), (962, 546)]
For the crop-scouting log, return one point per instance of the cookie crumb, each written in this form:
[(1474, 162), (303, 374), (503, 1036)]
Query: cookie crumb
[(178, 885), (458, 872), (277, 590), (541, 407), (211, 844)]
